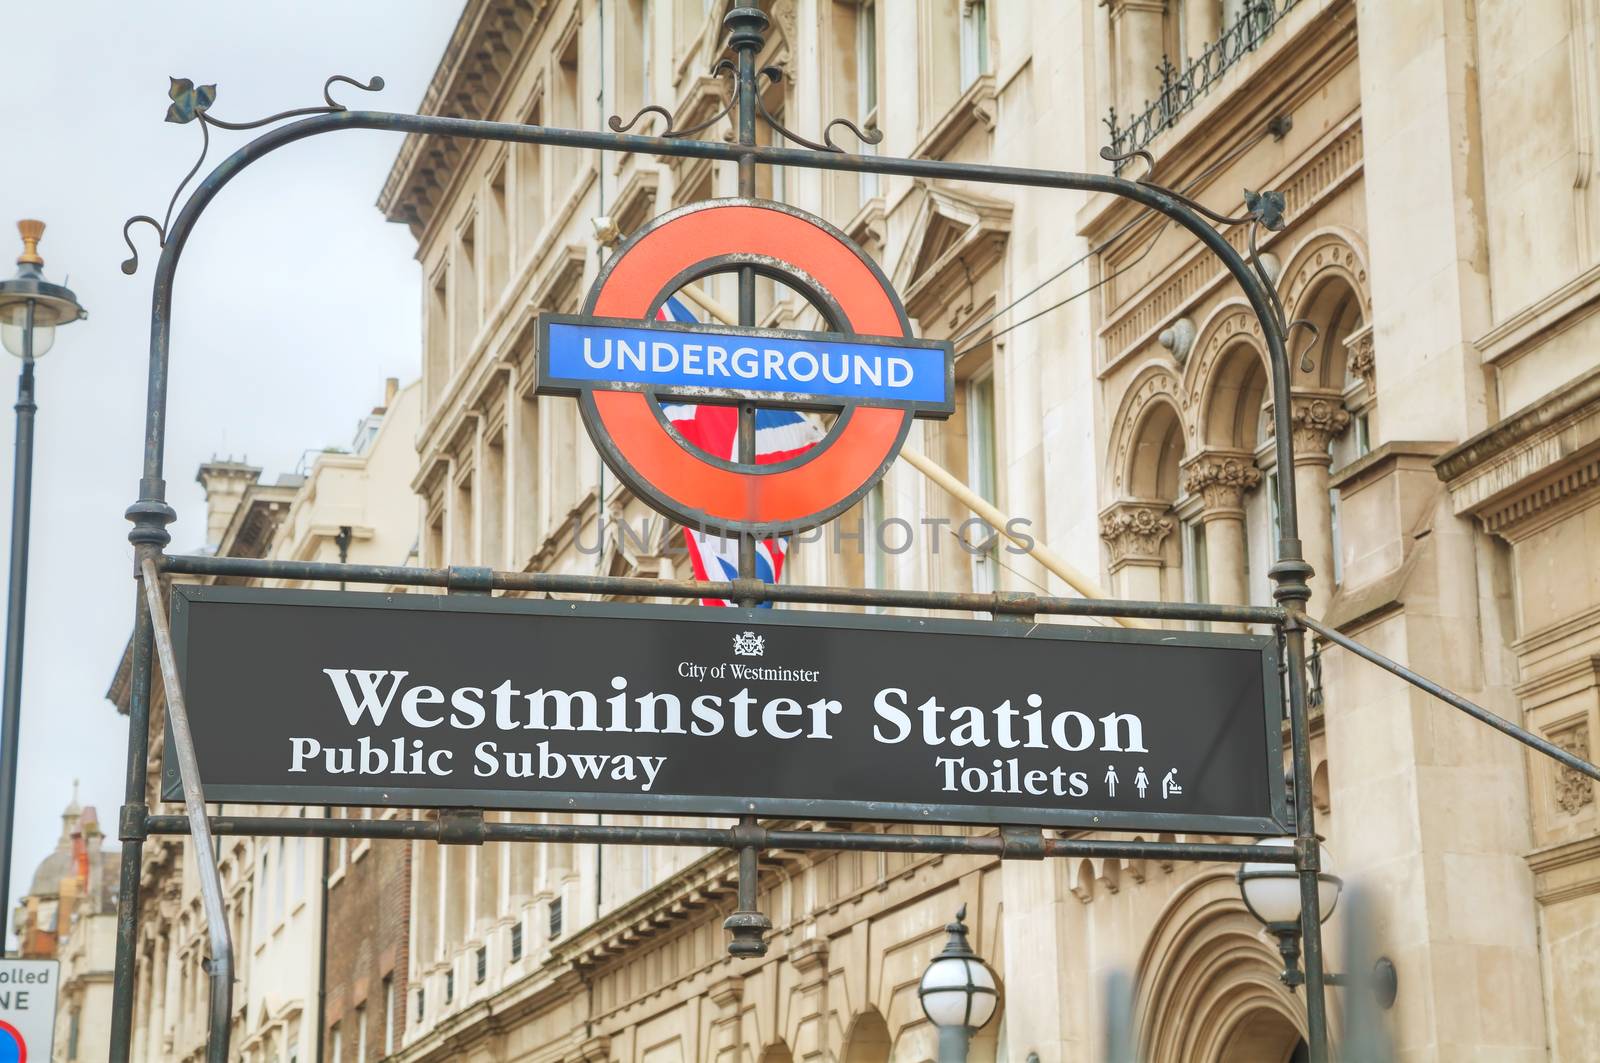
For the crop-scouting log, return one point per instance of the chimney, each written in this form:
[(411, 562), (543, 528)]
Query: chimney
[(225, 483), (391, 387)]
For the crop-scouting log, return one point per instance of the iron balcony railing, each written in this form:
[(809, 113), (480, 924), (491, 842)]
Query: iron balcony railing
[(1182, 87)]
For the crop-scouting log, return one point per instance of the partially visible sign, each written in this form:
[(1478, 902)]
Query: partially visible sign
[(703, 362), (306, 697), (28, 1009)]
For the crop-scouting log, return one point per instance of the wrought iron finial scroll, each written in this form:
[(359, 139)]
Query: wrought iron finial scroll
[(726, 68), (190, 103), (1265, 209)]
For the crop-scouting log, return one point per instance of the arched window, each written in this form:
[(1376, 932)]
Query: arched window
[(868, 1040), (1146, 559)]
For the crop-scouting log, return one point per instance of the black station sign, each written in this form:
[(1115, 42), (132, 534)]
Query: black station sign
[(432, 701)]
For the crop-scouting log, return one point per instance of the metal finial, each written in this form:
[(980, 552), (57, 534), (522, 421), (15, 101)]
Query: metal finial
[(747, 28), (31, 231), (956, 944)]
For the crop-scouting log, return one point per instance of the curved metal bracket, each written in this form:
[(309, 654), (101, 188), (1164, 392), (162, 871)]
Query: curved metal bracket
[(191, 102)]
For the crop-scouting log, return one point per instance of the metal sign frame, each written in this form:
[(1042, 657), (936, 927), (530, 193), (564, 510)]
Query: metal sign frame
[(1264, 648), (150, 514)]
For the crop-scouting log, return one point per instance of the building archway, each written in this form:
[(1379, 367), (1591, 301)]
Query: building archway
[(868, 1040), (1208, 988), (1264, 1036)]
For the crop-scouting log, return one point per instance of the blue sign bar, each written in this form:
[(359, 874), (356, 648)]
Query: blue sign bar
[(710, 361)]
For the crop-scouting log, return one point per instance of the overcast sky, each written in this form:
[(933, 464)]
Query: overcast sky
[(294, 300)]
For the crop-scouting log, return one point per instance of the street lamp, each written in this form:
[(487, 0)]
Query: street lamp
[(1272, 894), (31, 308), (957, 992)]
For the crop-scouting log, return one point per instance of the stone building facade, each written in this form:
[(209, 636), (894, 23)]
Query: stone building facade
[(1446, 422), (69, 914), (351, 503)]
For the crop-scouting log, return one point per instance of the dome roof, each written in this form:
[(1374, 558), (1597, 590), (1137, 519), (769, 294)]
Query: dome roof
[(54, 868), (59, 864)]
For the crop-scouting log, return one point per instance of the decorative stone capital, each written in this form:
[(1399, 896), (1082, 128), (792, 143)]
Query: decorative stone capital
[(1135, 530), (1363, 362), (810, 956), (726, 993), (1573, 789), (1315, 418), (595, 1050), (1221, 478)]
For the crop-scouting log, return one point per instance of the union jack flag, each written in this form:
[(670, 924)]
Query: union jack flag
[(780, 435)]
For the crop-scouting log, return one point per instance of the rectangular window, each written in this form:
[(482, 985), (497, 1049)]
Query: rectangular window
[(494, 501), (465, 297), (876, 574), (388, 1015), (297, 877), (983, 474), (1335, 537), (567, 113), (422, 1003), (449, 986), (438, 358), (72, 1034), (361, 1034), (867, 86), (262, 891), (633, 56), (481, 971), (277, 885), (336, 1045), (974, 41), (496, 239), (555, 918), (516, 942), (1363, 433), (529, 176), (1196, 573)]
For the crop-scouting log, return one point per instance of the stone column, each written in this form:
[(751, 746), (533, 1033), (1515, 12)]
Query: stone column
[(1134, 530), (1220, 478), (1136, 29), (1316, 417)]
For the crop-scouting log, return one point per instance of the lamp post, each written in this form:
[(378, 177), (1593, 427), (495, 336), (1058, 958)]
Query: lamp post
[(31, 308), (958, 993), (1272, 894)]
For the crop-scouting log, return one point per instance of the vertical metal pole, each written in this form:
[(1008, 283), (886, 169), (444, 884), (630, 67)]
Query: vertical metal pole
[(954, 1042), (1289, 575), (747, 924), (746, 26), (214, 904), (16, 608), (131, 831)]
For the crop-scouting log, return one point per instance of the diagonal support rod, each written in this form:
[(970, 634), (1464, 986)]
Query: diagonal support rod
[(1451, 698), (194, 802)]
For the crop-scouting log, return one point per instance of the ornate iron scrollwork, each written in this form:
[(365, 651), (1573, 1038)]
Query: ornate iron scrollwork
[(774, 75), (1265, 209), (191, 102)]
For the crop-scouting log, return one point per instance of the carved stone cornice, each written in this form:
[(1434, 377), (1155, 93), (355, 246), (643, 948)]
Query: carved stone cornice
[(1221, 478), (1362, 360), (1135, 530), (1533, 467)]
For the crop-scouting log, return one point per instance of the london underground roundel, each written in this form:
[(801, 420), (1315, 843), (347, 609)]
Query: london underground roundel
[(13, 1049), (622, 364)]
